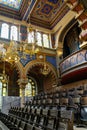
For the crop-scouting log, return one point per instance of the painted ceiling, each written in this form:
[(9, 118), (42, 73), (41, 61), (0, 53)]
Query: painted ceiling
[(44, 13), (48, 11), (11, 3)]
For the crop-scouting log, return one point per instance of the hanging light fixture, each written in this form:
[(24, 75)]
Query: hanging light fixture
[(45, 70), (32, 47), (3, 77), (11, 55)]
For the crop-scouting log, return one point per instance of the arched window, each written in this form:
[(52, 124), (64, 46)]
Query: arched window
[(39, 38), (28, 90), (14, 33), (45, 40), (5, 31), (31, 37), (31, 88)]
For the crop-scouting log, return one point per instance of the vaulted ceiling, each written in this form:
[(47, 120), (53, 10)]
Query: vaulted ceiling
[(45, 13)]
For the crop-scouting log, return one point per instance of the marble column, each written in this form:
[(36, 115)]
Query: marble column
[(22, 84)]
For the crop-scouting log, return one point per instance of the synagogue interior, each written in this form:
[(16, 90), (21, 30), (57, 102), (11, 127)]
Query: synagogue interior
[(43, 64)]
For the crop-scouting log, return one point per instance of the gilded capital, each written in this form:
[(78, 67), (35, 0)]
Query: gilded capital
[(22, 82)]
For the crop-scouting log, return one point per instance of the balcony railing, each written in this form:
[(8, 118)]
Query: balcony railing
[(73, 61)]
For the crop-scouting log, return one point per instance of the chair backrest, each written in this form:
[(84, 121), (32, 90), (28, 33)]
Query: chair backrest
[(22, 125), (53, 113), (28, 127), (83, 113), (45, 112), (36, 128), (84, 100), (17, 124), (50, 123)]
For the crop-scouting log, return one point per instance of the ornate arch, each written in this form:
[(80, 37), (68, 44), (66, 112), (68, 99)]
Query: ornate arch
[(36, 62)]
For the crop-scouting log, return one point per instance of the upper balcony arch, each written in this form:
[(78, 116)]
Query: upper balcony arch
[(64, 32), (69, 38)]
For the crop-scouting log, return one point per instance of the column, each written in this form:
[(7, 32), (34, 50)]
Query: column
[(59, 57), (22, 84)]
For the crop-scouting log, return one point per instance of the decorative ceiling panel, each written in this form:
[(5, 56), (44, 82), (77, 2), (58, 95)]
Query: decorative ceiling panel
[(15, 4), (44, 13), (47, 9), (47, 13)]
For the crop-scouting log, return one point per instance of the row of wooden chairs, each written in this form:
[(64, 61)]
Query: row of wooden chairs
[(43, 118), (14, 123), (58, 98)]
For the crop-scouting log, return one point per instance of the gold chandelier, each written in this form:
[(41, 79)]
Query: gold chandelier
[(45, 69), (3, 76), (11, 55), (28, 48)]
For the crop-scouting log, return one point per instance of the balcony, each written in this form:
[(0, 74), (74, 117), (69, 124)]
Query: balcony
[(74, 67)]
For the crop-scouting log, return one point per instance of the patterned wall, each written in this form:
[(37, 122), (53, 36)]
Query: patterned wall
[(47, 13), (27, 59), (52, 60), (74, 60), (23, 31)]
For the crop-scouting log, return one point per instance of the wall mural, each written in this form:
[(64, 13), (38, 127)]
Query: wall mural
[(76, 59), (12, 3)]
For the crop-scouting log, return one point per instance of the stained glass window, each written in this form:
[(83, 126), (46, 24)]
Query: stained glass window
[(5, 31), (12, 3)]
